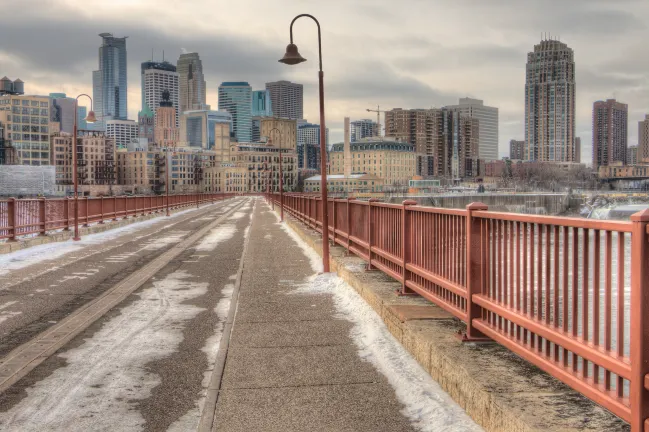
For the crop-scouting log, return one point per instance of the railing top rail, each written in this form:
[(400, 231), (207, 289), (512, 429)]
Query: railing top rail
[(387, 205), (438, 210), (606, 225)]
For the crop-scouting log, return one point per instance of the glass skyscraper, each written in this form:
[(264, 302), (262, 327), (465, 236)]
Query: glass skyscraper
[(109, 82), (236, 98), (261, 105)]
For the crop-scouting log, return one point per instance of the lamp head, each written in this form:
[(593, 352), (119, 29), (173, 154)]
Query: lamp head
[(90, 118), (292, 56)]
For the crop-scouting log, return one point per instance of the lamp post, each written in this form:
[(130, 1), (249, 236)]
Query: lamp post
[(90, 118), (293, 57), (281, 177)]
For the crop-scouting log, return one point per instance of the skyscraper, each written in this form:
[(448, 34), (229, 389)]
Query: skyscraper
[(516, 149), (643, 139), (197, 128), (287, 99), (191, 83), (146, 123), (488, 118), (261, 104), (577, 150), (236, 98), (550, 103), (124, 132), (308, 145), (109, 82), (363, 129), (610, 130), (62, 111), (166, 133), (157, 77)]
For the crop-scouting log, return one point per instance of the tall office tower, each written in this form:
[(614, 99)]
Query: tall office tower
[(261, 104), (287, 99), (308, 145), (109, 82), (550, 103), (488, 117), (191, 83), (82, 113), (197, 128), (578, 149), (236, 98), (363, 129), (26, 122), (516, 149), (62, 111), (124, 132), (157, 77), (610, 132), (146, 123), (643, 139), (165, 132)]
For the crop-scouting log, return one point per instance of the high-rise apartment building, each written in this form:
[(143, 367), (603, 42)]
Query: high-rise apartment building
[(62, 111), (364, 128), (165, 132), (287, 99), (157, 77), (191, 83), (610, 132), (516, 149), (26, 122), (488, 118), (124, 132), (109, 82), (577, 150), (261, 104), (632, 155), (197, 128), (236, 98), (643, 139), (550, 103), (308, 145)]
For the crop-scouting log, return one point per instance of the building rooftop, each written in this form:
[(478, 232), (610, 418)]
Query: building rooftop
[(234, 84), (369, 144), (342, 177)]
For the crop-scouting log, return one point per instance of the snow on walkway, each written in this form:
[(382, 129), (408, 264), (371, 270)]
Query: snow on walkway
[(426, 404), (105, 377)]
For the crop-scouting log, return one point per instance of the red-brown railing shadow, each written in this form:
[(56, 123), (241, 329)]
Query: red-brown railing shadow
[(22, 217), (568, 295)]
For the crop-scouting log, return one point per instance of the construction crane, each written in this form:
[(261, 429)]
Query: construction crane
[(378, 112)]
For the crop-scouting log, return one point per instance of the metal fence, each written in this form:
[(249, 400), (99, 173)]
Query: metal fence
[(568, 295), (21, 217)]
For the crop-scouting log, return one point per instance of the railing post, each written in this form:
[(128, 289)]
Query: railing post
[(639, 395), (115, 208), (87, 214), (333, 219), (42, 216), (66, 213), (349, 222), (101, 202), (12, 218), (474, 270), (370, 229), (406, 236)]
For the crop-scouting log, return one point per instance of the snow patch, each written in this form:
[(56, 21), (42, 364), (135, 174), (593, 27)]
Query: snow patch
[(106, 376), (429, 408), (216, 236)]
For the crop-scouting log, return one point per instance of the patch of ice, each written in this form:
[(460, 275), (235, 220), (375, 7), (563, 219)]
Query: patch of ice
[(106, 376), (217, 235)]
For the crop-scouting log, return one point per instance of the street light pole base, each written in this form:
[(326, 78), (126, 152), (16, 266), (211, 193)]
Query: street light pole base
[(76, 238)]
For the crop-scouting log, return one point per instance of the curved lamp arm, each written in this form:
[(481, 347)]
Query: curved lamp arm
[(83, 94), (319, 37)]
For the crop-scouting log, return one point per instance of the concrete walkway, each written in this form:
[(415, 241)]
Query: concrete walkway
[(292, 364)]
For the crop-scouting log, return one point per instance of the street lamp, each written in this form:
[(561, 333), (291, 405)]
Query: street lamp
[(281, 177), (90, 118), (293, 57)]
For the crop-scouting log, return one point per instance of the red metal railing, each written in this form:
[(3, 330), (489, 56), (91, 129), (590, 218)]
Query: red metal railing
[(21, 217), (569, 295)]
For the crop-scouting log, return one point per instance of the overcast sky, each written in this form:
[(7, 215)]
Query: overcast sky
[(408, 53)]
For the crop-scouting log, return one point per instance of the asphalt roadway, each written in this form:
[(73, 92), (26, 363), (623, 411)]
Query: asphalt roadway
[(195, 326)]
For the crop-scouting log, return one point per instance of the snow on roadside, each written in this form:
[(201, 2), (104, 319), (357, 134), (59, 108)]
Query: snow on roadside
[(47, 252), (106, 376), (426, 404), (218, 235)]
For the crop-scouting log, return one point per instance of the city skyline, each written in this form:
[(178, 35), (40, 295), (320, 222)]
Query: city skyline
[(486, 62)]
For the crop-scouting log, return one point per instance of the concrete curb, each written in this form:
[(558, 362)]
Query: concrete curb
[(8, 247), (499, 390)]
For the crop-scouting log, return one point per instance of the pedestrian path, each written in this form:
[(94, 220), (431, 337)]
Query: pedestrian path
[(306, 354)]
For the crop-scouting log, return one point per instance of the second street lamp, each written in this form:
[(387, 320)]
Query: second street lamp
[(281, 176), (293, 57)]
